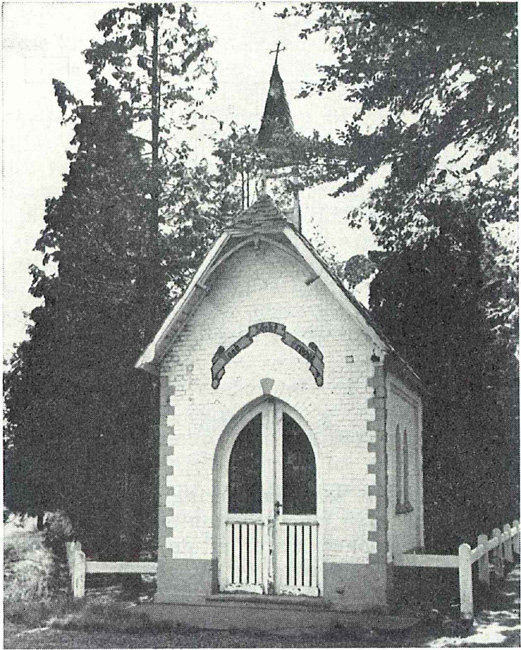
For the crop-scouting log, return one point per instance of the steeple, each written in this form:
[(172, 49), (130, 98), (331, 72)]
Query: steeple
[(276, 123), (275, 133)]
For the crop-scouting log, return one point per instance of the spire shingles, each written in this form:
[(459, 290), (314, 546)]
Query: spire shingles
[(276, 123)]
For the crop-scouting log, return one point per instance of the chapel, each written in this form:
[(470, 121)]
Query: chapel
[(291, 430)]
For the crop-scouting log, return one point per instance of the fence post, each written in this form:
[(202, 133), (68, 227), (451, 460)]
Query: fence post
[(465, 582), (498, 554), (483, 562), (71, 555), (508, 543), (79, 567)]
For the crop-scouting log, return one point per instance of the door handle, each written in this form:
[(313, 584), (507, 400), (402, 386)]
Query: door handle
[(278, 508)]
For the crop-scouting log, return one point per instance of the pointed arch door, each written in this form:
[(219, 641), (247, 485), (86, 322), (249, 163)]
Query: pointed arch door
[(270, 529)]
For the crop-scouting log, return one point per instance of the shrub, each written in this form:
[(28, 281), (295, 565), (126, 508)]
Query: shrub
[(28, 568)]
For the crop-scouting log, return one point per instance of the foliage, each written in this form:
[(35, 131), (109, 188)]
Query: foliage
[(357, 269), (435, 302), (435, 90), (31, 597), (124, 59), (155, 58)]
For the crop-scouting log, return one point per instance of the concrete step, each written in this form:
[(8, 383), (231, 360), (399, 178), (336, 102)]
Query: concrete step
[(262, 600), (270, 618)]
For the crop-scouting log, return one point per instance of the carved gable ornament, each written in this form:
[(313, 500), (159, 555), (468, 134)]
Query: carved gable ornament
[(310, 352)]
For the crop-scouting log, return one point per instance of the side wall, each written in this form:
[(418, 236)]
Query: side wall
[(253, 287), (404, 412)]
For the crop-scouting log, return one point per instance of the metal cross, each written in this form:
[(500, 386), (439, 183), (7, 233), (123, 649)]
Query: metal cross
[(276, 52)]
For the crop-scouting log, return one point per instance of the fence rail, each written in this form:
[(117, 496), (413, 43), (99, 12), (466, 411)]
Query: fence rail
[(490, 554), (79, 566)]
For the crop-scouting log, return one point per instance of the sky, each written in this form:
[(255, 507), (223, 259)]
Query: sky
[(45, 40)]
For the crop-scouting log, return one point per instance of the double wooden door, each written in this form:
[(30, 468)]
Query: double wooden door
[(270, 536)]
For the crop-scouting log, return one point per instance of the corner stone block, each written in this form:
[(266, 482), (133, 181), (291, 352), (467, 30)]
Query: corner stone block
[(380, 392)]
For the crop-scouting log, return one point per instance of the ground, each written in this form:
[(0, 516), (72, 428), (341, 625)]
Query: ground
[(494, 627), (107, 621)]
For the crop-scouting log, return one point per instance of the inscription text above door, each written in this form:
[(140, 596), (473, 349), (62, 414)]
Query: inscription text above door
[(309, 352)]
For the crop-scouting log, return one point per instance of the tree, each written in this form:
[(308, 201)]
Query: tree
[(435, 88), (433, 300), (74, 404), (155, 56)]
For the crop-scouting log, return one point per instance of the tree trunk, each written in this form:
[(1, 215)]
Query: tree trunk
[(154, 252), (131, 512)]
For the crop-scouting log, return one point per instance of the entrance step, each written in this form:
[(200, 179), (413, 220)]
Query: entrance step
[(263, 600), (275, 618)]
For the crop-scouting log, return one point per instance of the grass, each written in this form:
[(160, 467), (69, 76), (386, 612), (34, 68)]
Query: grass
[(187, 638), (111, 618)]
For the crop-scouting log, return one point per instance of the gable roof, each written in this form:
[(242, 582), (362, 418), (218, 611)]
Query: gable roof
[(263, 221)]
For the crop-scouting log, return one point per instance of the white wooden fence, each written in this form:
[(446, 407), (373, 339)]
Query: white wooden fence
[(79, 566), (490, 554)]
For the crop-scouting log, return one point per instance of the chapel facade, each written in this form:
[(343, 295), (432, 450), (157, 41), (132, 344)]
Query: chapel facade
[(291, 453)]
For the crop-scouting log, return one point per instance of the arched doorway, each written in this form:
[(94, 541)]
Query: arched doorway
[(269, 539)]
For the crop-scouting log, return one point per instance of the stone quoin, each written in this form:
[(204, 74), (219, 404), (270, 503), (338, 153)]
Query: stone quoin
[(290, 435)]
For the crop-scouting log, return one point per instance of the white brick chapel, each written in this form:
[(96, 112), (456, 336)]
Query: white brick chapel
[(291, 456)]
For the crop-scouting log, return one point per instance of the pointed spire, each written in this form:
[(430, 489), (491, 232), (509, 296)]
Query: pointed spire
[(276, 123)]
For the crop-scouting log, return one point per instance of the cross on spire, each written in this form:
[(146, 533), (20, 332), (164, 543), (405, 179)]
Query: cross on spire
[(276, 51)]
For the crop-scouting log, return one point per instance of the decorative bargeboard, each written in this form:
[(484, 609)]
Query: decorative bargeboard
[(309, 352)]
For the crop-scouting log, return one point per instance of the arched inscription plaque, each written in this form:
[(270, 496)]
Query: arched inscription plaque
[(310, 352)]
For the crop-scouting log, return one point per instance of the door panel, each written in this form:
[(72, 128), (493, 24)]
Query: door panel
[(271, 529), (297, 524)]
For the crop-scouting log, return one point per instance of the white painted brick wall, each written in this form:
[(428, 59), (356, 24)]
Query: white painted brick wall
[(269, 286)]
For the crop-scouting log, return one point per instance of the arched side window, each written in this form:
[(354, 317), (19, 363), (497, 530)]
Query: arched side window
[(399, 473), (403, 504), (406, 503)]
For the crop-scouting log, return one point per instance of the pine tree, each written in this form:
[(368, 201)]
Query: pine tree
[(73, 398)]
